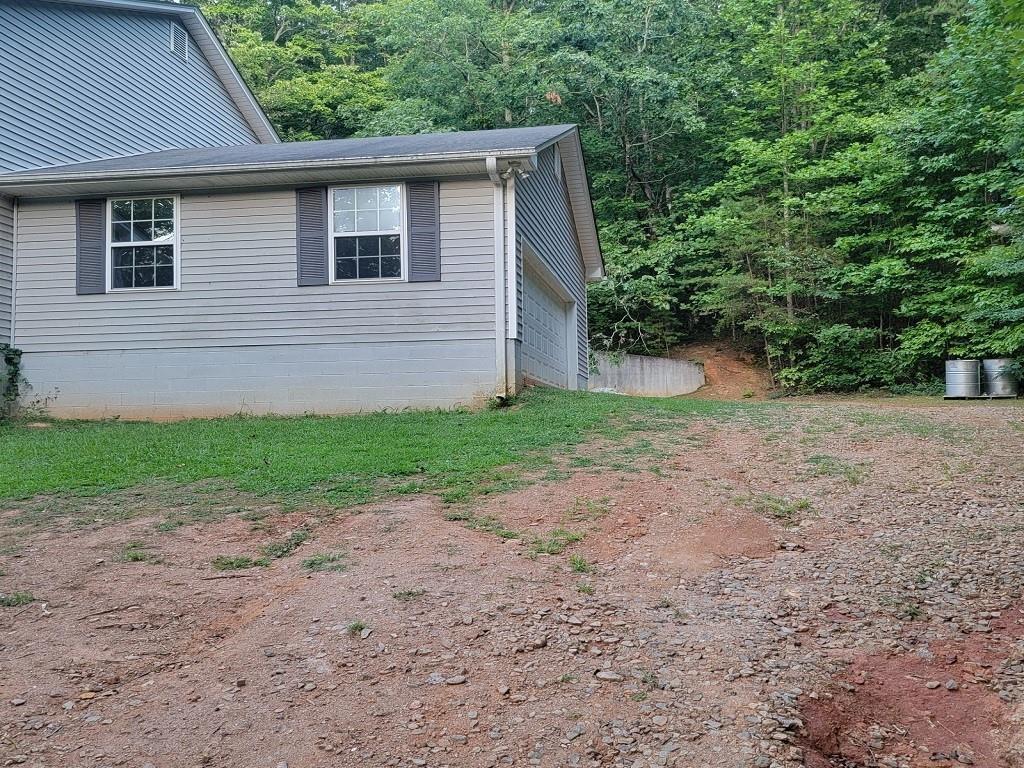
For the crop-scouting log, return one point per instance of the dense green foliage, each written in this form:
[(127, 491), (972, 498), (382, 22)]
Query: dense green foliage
[(836, 182)]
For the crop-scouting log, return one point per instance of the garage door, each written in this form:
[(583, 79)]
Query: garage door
[(545, 358)]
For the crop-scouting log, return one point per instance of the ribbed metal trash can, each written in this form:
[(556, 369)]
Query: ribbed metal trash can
[(999, 381), (963, 378)]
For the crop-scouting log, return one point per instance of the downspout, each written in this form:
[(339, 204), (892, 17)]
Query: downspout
[(15, 205), (500, 305)]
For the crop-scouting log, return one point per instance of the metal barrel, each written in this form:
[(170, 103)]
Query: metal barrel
[(999, 381), (963, 378)]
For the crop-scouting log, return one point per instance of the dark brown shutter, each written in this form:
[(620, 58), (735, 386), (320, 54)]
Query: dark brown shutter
[(424, 231), (311, 235), (91, 246)]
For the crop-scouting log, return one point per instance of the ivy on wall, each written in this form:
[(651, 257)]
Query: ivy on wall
[(10, 379)]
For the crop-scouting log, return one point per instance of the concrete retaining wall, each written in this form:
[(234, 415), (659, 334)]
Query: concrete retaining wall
[(646, 376)]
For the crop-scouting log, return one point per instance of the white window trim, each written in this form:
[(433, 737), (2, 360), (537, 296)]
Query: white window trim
[(403, 233), (176, 242)]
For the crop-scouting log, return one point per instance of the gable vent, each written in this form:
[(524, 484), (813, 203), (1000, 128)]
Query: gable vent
[(179, 41)]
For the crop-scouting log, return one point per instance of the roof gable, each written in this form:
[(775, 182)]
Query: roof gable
[(209, 44)]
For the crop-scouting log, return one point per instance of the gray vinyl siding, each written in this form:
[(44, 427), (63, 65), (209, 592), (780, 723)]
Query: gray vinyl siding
[(87, 83), (6, 267), (239, 329), (544, 219)]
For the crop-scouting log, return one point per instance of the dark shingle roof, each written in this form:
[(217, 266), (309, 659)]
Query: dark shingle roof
[(504, 141)]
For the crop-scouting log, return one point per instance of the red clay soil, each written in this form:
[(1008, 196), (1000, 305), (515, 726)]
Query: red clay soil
[(931, 708), (731, 373)]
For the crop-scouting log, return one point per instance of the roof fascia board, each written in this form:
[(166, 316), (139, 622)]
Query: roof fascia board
[(555, 139), (27, 179), (246, 179), (571, 151)]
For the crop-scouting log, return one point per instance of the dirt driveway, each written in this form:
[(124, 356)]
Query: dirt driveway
[(834, 584)]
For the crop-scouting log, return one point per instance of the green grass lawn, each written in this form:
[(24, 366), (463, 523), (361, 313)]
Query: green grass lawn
[(338, 460)]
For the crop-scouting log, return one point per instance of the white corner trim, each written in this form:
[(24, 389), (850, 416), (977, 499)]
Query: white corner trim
[(500, 314)]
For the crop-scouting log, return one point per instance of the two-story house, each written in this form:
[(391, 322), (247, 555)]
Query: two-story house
[(163, 254)]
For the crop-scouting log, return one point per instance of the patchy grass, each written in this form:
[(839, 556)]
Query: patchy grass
[(579, 564), (15, 599), (823, 465), (589, 509), (554, 543), (786, 511), (405, 595), (238, 563), (585, 588), (337, 461), (136, 552), (326, 562), (485, 523), (278, 549)]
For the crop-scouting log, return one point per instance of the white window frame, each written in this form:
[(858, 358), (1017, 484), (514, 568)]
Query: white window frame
[(403, 235), (176, 242)]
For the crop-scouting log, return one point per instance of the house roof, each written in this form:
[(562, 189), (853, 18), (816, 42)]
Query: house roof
[(503, 142), (434, 155), (208, 42)]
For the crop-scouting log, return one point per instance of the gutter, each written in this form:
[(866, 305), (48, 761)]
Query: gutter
[(155, 174)]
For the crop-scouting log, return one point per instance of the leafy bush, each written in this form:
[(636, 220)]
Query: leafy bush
[(840, 359)]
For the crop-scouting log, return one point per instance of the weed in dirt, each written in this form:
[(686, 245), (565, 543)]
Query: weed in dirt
[(784, 510), (278, 549), (638, 696), (589, 509), (357, 627), (554, 543), (485, 523), (405, 595), (823, 465), (884, 423), (136, 552), (907, 610), (238, 563), (889, 549), (326, 562), (15, 599), (664, 603), (258, 518), (392, 525), (924, 576), (579, 564), (585, 588), (555, 475)]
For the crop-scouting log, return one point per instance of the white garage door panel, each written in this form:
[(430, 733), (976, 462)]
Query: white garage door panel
[(545, 356)]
